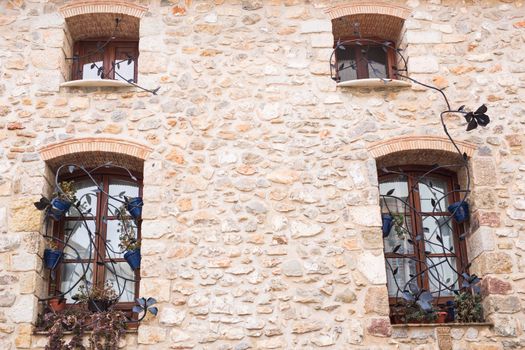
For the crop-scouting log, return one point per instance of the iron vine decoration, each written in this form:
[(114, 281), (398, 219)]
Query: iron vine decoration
[(56, 208), (100, 69), (408, 289)]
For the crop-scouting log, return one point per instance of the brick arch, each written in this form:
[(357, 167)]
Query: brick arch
[(94, 151), (372, 8), (375, 19), (410, 143), (77, 8)]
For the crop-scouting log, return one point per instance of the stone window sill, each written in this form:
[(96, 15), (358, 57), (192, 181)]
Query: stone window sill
[(96, 83), (374, 83), (46, 333), (449, 324)]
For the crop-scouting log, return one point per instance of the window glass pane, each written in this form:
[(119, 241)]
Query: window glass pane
[(394, 205), (438, 229), (119, 188), (85, 189), (71, 274), (90, 71), (125, 58), (441, 275), (346, 63), (377, 62), (433, 189), (124, 71), (114, 230), (77, 238), (399, 281), (122, 277), (399, 236)]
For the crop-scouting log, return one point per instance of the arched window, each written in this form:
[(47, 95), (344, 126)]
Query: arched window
[(366, 37), (91, 237), (423, 245), (94, 237), (102, 41)]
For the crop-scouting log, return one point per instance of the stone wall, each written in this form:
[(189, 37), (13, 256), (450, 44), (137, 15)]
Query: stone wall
[(261, 213)]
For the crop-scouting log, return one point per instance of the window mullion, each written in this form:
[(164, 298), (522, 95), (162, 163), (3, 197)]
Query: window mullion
[(97, 268), (417, 228)]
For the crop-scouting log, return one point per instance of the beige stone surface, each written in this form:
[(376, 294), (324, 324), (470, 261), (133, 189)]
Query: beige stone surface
[(23, 216), (261, 223)]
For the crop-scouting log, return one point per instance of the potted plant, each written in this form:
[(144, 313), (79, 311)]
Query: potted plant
[(62, 200), (441, 316), (105, 329), (134, 206), (393, 220), (387, 223), (468, 307), (416, 314), (57, 303), (97, 298), (128, 241), (460, 211), (52, 255)]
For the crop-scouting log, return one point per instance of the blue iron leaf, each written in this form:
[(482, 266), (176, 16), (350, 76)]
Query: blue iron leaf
[(138, 309), (154, 310)]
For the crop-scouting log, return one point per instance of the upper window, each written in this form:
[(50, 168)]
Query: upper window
[(102, 47), (114, 60), (366, 37), (96, 239), (422, 244), (364, 59)]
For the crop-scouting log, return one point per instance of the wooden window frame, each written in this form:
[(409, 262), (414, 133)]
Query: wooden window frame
[(419, 246), (362, 66), (84, 47), (103, 177)]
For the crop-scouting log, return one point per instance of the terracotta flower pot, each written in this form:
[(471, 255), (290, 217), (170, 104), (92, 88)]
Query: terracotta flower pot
[(57, 304), (441, 317)]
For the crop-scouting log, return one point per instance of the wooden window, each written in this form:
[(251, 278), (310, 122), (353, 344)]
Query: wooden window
[(414, 259), (92, 251), (364, 59), (115, 60)]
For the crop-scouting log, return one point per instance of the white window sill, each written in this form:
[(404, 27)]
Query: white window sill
[(446, 324), (96, 83), (374, 83)]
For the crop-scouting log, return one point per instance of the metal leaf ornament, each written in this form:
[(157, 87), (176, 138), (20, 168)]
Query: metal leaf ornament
[(477, 118), (145, 305)]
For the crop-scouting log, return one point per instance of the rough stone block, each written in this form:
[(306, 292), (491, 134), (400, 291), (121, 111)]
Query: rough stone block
[(23, 336), (492, 262), (484, 172), (23, 262), (23, 216), (322, 40), (507, 304), (479, 241), (376, 301), (366, 216), (150, 334), (505, 326), (23, 310), (424, 37), (372, 267), (380, 327), (171, 316), (156, 287), (423, 64), (316, 26), (492, 285)]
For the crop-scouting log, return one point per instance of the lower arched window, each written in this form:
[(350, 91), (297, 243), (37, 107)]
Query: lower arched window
[(91, 236), (424, 249)]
